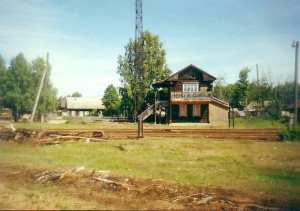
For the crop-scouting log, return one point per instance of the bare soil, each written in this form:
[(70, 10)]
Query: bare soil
[(21, 189)]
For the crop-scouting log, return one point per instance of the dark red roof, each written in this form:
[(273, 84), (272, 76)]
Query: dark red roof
[(291, 106)]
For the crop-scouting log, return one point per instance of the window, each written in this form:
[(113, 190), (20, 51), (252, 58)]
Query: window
[(190, 87)]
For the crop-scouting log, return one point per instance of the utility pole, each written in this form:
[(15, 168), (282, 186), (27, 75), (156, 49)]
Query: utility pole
[(258, 89), (45, 90), (296, 46), (39, 92)]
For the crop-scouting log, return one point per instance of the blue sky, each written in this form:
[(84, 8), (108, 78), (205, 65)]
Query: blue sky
[(85, 37)]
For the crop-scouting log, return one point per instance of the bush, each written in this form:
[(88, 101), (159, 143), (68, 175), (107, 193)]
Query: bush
[(289, 134)]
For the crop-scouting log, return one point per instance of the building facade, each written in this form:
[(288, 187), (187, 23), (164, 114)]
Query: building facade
[(191, 97), (79, 106)]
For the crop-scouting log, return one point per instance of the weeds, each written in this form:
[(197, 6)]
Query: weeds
[(288, 134)]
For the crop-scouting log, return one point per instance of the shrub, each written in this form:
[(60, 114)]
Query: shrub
[(289, 134)]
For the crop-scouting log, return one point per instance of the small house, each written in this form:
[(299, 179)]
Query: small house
[(238, 113), (79, 106), (191, 97)]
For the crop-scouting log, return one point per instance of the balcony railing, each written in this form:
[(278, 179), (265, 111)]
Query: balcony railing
[(192, 96)]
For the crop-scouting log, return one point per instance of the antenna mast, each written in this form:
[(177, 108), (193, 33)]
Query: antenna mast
[(138, 72)]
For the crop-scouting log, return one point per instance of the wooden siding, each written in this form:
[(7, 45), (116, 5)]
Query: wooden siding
[(191, 96), (218, 114)]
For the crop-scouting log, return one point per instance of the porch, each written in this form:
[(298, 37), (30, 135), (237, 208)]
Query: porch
[(191, 96)]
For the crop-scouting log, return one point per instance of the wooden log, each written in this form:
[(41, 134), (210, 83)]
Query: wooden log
[(65, 138), (107, 181)]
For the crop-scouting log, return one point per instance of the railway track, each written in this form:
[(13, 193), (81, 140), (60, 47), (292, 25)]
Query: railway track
[(236, 134)]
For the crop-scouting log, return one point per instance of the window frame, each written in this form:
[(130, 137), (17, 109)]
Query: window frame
[(190, 87)]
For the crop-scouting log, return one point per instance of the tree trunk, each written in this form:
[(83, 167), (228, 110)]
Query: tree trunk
[(15, 114)]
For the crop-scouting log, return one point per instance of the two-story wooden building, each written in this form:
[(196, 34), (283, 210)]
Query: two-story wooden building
[(191, 97)]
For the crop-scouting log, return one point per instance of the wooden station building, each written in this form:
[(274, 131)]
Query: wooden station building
[(191, 97)]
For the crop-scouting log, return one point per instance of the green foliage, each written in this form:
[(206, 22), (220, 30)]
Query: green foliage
[(285, 93), (3, 79), (257, 123), (222, 91), (19, 85), (94, 112), (111, 101), (75, 94), (288, 134), (138, 83), (240, 92)]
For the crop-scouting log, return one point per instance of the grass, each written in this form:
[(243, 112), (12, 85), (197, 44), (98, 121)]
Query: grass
[(273, 167), (240, 123)]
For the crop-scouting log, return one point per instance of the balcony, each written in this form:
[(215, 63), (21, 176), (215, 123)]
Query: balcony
[(191, 96)]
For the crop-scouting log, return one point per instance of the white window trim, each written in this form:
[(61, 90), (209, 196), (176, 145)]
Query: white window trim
[(190, 87)]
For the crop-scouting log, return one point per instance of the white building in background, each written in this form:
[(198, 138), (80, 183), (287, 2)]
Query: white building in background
[(79, 106)]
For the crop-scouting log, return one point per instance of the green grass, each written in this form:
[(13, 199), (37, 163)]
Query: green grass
[(273, 167), (240, 123), (257, 123)]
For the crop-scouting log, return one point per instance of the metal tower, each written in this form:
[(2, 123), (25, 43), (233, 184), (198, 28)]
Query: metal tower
[(138, 72), (138, 19)]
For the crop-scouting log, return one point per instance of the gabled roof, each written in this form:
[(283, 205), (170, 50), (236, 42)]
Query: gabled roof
[(239, 113), (189, 67), (220, 102), (253, 106), (174, 77)]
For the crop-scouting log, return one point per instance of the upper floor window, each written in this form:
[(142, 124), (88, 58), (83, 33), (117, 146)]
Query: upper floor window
[(190, 87)]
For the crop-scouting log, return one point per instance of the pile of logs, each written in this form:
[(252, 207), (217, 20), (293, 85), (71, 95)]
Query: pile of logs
[(55, 137), (9, 133), (79, 172)]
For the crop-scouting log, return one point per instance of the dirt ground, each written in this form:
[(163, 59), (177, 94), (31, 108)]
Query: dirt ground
[(24, 189)]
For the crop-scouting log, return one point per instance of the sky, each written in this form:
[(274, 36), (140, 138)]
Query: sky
[(85, 37)]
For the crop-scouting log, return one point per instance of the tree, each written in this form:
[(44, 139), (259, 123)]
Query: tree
[(75, 94), (154, 68), (20, 84), (111, 101), (239, 96), (219, 88), (3, 79), (19, 90), (48, 100)]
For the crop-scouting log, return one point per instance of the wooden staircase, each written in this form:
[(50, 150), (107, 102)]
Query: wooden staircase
[(145, 114)]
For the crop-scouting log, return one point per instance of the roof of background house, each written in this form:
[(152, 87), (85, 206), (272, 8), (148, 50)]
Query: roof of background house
[(239, 113), (253, 106), (81, 103), (291, 106)]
